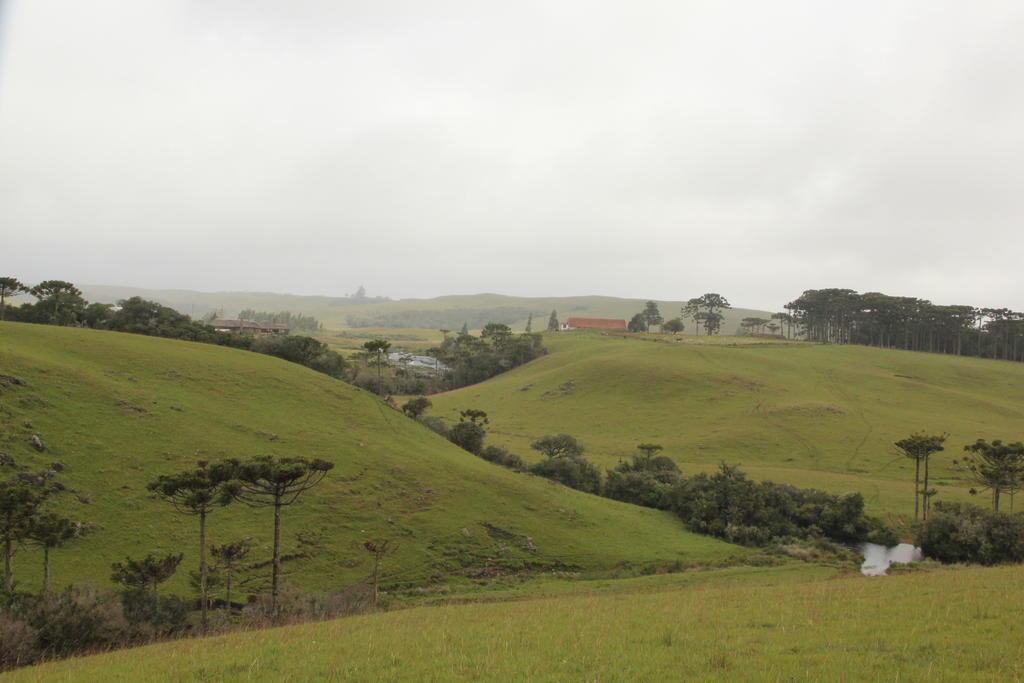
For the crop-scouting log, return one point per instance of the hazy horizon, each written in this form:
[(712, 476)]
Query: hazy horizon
[(653, 150)]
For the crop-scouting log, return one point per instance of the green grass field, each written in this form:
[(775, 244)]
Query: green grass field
[(810, 415), (944, 625), (117, 410)]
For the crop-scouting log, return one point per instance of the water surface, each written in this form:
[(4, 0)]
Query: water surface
[(877, 558)]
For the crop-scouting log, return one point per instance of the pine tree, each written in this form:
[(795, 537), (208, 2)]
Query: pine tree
[(553, 322)]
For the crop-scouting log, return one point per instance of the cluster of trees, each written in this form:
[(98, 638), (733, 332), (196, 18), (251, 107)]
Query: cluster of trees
[(707, 311), (992, 466), (651, 316), (61, 303), (471, 359), (844, 316), (958, 532), (294, 321), (36, 622), (755, 325)]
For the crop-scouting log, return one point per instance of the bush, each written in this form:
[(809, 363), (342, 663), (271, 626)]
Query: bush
[(17, 643), (415, 407), (435, 424), (468, 436), (501, 456), (960, 532), (646, 481), (154, 616), (76, 620), (574, 472)]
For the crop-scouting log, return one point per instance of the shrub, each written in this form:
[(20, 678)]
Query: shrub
[(646, 481), (17, 643), (574, 472), (468, 436), (501, 456), (960, 532), (415, 407), (77, 620), (435, 424), (154, 616)]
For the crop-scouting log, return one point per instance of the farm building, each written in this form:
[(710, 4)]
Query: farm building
[(594, 324), (256, 329)]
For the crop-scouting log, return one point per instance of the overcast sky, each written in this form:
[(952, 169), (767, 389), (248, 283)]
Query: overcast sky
[(647, 149)]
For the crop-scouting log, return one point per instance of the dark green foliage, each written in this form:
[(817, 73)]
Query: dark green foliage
[(9, 287), (302, 350), (415, 407), (959, 532), (572, 471), (147, 574), (920, 448), (58, 302), (50, 531), (558, 446), (75, 620), (19, 503), (501, 456), (675, 325), (729, 505), (647, 480), (154, 616), (651, 315), (435, 424), (637, 323), (473, 359), (468, 436), (706, 311)]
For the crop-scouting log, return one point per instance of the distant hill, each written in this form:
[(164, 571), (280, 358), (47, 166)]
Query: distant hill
[(116, 410), (449, 312)]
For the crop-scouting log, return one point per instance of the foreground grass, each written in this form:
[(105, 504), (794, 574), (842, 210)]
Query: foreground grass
[(805, 414), (115, 410), (940, 625)]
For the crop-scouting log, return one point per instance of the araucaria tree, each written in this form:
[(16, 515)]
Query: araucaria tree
[(19, 503), (997, 467), (198, 492), (266, 481), (379, 349), (147, 574), (59, 302), (9, 287), (229, 559), (50, 531), (919, 448), (553, 322)]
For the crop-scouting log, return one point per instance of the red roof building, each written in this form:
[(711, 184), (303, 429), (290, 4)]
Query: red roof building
[(594, 324)]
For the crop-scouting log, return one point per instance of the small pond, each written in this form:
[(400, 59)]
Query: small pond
[(877, 558)]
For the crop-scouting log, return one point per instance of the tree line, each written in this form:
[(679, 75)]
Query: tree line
[(61, 303), (844, 316)]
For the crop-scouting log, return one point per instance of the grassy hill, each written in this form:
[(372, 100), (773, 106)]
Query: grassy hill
[(811, 415), (115, 410), (942, 625), (446, 311)]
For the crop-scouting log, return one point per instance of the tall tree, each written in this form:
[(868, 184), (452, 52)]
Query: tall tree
[(651, 314), (9, 287), (558, 446), (692, 310), (378, 348), (529, 324), (920, 447), (19, 504), (553, 324), (198, 492), (49, 531), (266, 481), (637, 323)]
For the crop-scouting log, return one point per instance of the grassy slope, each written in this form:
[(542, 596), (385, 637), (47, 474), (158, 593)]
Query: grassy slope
[(334, 311), (806, 414), (942, 625), (118, 409)]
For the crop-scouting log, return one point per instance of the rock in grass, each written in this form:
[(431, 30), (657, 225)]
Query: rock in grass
[(37, 443)]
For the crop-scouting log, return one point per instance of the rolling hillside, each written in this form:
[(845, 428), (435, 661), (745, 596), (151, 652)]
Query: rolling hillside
[(116, 410), (446, 311), (948, 625), (810, 415)]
